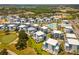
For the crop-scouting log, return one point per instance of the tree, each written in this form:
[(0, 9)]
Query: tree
[(16, 29), (4, 52), (23, 37), (61, 49)]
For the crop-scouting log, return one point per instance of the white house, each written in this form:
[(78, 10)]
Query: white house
[(51, 46), (28, 24), (68, 29), (31, 20), (70, 35), (56, 19), (44, 29), (22, 20), (16, 23), (48, 20), (22, 27), (39, 36), (31, 30), (40, 20), (11, 27), (65, 21), (36, 26), (72, 46), (1, 27), (57, 34)]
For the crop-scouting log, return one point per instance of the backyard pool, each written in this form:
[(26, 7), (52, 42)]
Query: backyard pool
[(52, 26)]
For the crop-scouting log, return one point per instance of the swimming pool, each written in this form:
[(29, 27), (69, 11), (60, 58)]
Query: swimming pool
[(52, 26)]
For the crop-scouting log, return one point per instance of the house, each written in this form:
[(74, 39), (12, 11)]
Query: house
[(31, 20), (40, 20), (11, 27), (16, 23), (37, 20), (51, 17), (68, 29), (44, 29), (51, 46), (36, 26), (65, 21), (31, 30), (22, 27), (56, 19), (57, 34), (72, 46), (27, 24), (1, 27), (48, 20), (39, 36), (71, 35), (22, 20)]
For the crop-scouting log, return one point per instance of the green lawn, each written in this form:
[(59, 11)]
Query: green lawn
[(6, 39), (37, 46)]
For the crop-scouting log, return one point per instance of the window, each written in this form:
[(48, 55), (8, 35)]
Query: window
[(70, 46), (46, 45)]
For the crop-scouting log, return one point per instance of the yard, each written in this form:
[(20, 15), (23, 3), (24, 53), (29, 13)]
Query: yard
[(37, 47)]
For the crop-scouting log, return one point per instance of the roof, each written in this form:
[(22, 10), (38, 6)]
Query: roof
[(56, 18), (22, 26), (31, 28), (65, 20), (1, 25), (35, 25), (16, 22), (66, 44), (39, 33), (11, 25), (73, 41), (52, 41), (22, 20), (27, 23), (70, 35), (68, 27), (32, 20), (44, 27), (48, 19), (65, 25), (57, 31)]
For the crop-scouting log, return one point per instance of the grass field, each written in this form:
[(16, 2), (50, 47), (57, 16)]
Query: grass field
[(6, 39)]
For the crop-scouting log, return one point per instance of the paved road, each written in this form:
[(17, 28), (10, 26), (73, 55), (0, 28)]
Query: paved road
[(76, 30)]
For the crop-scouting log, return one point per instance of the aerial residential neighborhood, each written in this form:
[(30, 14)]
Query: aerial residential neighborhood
[(39, 30)]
